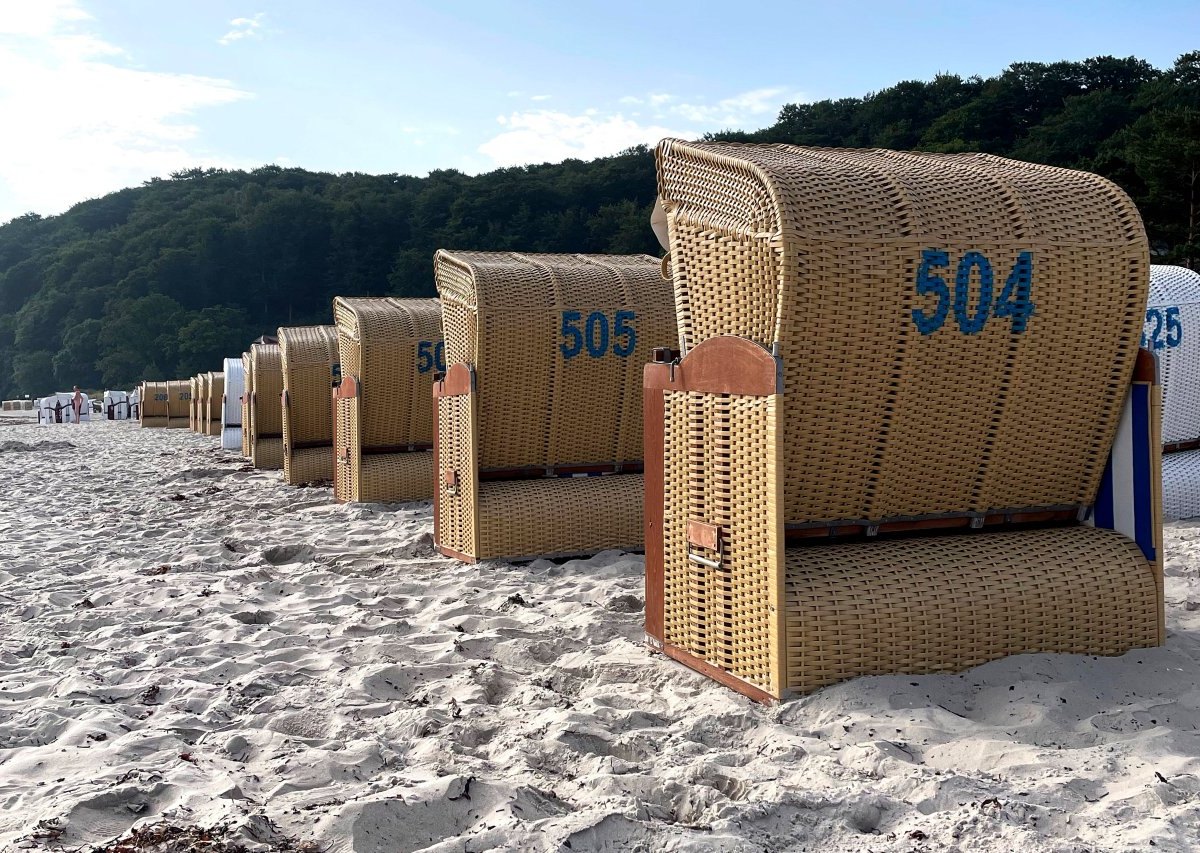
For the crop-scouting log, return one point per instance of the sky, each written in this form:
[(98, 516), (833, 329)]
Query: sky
[(97, 95)]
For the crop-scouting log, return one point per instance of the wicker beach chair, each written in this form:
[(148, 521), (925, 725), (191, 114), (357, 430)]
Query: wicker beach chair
[(1172, 333), (388, 350), (247, 412), (154, 404), (215, 402), (194, 390), (231, 405), (879, 347), (201, 403), (309, 359), (179, 403), (539, 427), (266, 408)]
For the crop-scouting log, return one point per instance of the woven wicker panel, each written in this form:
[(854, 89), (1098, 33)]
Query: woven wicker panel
[(395, 477), (266, 453), (944, 603), (457, 505), (204, 384), (380, 344), (216, 394), (721, 468), (247, 412), (194, 391), (266, 409), (1181, 485), (179, 403), (345, 444), (558, 343), (820, 251), (307, 357), (154, 407), (308, 465), (559, 517), (1172, 332)]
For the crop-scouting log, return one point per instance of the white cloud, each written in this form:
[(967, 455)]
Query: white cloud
[(539, 98), (79, 121), (540, 136), (744, 111), (734, 112), (243, 28)]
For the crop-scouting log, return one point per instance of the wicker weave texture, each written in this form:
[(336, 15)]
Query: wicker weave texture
[(179, 403), (381, 342), (267, 453), (722, 465), (1172, 332), (389, 348), (308, 465), (216, 394), (900, 605), (832, 254), (154, 408), (308, 355), (200, 402), (457, 508), (247, 411), (1181, 485), (266, 416), (558, 343), (559, 517), (194, 391)]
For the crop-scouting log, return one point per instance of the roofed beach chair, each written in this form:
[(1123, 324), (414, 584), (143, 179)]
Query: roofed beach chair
[(179, 403), (231, 405), (539, 423), (154, 404), (194, 391), (910, 430), (216, 399), (309, 358), (1172, 333), (266, 408), (389, 350)]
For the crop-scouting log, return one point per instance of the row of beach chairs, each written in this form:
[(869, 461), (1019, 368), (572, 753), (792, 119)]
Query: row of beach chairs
[(875, 412)]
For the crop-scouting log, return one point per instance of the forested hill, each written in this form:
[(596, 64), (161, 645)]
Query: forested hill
[(166, 279)]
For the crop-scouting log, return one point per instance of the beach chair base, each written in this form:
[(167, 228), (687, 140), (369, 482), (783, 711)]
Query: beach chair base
[(385, 478), (267, 453), (308, 465), (157, 423), (527, 519)]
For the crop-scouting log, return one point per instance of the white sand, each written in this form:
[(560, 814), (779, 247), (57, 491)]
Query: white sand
[(256, 658)]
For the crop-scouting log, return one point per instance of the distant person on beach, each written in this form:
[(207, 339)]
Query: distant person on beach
[(77, 405)]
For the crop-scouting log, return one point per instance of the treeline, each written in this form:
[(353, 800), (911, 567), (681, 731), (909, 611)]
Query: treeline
[(166, 279)]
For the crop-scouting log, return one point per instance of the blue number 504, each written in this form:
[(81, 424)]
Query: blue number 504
[(1014, 301)]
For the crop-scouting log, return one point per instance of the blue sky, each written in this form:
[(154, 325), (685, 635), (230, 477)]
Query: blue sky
[(96, 95)]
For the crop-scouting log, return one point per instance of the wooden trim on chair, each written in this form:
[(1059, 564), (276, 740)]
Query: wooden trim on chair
[(347, 389), (721, 676), (458, 381)]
